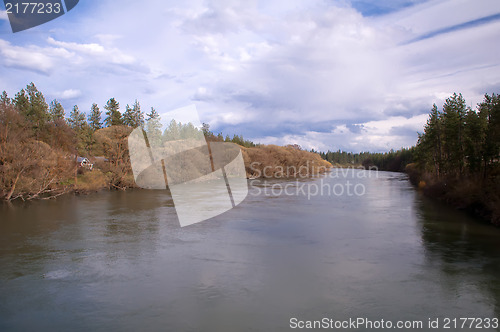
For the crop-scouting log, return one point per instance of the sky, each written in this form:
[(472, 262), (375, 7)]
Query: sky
[(359, 75)]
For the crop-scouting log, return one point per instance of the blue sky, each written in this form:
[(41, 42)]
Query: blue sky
[(354, 75)]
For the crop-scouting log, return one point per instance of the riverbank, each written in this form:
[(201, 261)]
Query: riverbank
[(475, 195), (116, 174)]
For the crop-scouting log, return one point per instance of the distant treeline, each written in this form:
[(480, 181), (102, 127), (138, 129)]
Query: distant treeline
[(394, 161)]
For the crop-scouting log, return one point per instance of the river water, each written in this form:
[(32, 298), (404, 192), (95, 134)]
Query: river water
[(369, 246)]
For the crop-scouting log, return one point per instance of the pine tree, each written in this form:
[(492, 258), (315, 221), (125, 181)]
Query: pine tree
[(22, 103), (84, 138), (454, 110), (489, 109), (474, 137), (430, 143), (137, 115), (127, 117), (76, 119), (4, 99), (56, 111), (206, 129), (94, 118), (173, 131), (31, 103), (114, 117), (153, 127)]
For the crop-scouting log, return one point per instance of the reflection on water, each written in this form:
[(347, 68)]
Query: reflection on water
[(116, 260), (466, 251)]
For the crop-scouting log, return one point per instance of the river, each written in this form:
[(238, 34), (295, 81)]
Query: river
[(369, 246)]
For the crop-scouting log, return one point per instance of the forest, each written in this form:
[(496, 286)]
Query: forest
[(457, 157)]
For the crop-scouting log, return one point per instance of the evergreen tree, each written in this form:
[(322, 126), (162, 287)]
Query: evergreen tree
[(137, 115), (31, 103), (56, 111), (128, 117), (84, 138), (133, 116), (22, 102), (4, 99), (114, 117), (173, 131), (430, 143), (94, 118), (474, 137), (76, 119), (454, 110), (489, 109), (153, 127), (206, 129)]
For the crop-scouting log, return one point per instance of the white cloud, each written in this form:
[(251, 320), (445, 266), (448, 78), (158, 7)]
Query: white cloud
[(32, 58), (3, 15), (281, 71), (70, 94), (381, 135), (95, 51)]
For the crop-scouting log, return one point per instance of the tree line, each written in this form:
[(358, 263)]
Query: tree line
[(394, 161), (39, 143), (458, 140)]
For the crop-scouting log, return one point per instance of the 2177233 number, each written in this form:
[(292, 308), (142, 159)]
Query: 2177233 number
[(33, 8)]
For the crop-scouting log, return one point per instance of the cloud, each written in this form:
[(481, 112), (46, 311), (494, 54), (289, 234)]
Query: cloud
[(378, 136), (95, 51), (322, 74), (31, 58), (70, 94), (3, 15)]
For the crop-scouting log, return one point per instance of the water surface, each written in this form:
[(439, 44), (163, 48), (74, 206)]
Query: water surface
[(119, 260)]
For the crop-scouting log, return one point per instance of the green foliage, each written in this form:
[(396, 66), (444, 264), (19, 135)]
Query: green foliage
[(94, 118), (83, 131), (114, 117), (454, 110), (153, 127), (76, 119), (459, 140), (344, 158), (394, 161), (4, 99), (206, 130), (489, 110), (238, 139), (56, 111), (474, 140), (32, 105), (133, 116)]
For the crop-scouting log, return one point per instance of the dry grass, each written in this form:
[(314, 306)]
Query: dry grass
[(279, 162), (91, 181)]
